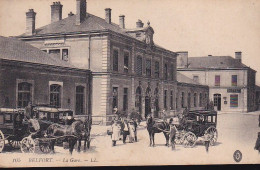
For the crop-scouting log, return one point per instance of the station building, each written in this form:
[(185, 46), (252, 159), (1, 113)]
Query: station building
[(231, 83), (28, 74), (129, 71)]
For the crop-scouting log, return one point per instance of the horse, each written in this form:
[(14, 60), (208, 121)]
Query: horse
[(72, 133), (157, 127)]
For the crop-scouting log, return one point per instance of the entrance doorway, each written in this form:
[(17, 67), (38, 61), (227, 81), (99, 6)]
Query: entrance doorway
[(156, 103), (217, 101), (147, 101), (138, 100)]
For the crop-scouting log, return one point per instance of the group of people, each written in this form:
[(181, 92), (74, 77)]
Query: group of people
[(122, 126)]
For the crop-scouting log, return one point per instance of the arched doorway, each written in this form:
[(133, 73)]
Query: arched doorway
[(138, 100), (156, 102), (147, 101), (217, 101)]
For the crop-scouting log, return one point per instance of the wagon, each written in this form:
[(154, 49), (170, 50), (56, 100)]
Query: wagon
[(199, 123), (12, 128)]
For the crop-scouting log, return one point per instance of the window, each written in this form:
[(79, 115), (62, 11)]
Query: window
[(217, 80), (165, 71), (157, 69), (171, 72), (200, 102), (55, 53), (115, 60), (165, 99), (115, 98), (44, 51), (138, 99), (195, 99), (189, 97), (79, 100), (24, 94), (65, 54), (234, 80), (196, 79), (125, 99), (55, 95), (182, 99), (139, 65), (171, 100), (126, 62), (233, 100), (148, 68)]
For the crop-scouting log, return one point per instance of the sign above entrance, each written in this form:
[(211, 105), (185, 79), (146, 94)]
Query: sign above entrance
[(234, 90)]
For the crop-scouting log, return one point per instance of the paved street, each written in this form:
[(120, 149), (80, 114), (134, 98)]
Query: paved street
[(236, 132)]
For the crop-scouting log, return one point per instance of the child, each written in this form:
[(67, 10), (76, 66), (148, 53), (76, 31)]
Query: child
[(116, 130), (207, 141), (173, 131)]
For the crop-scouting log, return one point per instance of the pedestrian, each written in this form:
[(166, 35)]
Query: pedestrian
[(30, 117), (125, 129), (257, 144), (259, 121), (132, 129), (207, 141), (173, 131), (116, 130)]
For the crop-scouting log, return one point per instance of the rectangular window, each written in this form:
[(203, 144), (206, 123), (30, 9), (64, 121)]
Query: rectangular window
[(125, 99), (165, 71), (126, 62), (148, 68), (165, 99), (195, 100), (200, 102), (182, 99), (115, 60), (157, 69), (233, 100), (55, 53), (189, 97), (234, 80), (217, 80), (115, 97), (55, 95), (65, 54), (196, 79), (80, 100), (24, 94), (171, 98), (171, 72), (139, 65)]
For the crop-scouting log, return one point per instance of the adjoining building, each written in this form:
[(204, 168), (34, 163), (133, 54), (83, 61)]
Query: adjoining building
[(28, 74), (129, 70), (231, 83)]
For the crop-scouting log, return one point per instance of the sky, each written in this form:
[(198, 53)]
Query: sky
[(201, 27)]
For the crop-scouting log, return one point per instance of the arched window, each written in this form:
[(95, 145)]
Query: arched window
[(139, 65), (55, 95), (24, 94), (138, 99), (79, 100)]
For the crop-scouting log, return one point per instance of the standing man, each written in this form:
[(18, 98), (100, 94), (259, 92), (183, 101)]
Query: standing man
[(259, 121), (30, 117), (125, 130), (257, 144)]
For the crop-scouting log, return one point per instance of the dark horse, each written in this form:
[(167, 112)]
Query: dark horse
[(157, 127), (71, 133)]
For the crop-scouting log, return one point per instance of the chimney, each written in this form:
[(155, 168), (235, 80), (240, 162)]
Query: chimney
[(122, 21), (182, 59), (70, 14), (139, 24), (238, 56), (81, 6), (108, 15), (56, 11), (30, 22)]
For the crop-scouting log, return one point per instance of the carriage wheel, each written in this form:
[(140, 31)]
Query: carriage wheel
[(179, 138), (2, 141), (212, 131), (15, 144), (45, 147), (27, 145), (189, 140)]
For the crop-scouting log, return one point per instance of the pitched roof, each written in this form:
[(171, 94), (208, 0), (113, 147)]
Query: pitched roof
[(68, 25), (217, 62), (14, 49), (184, 79)]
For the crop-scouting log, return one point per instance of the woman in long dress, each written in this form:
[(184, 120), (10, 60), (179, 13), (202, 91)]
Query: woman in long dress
[(132, 130), (116, 130)]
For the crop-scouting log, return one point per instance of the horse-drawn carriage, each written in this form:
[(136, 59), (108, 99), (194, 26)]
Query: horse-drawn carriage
[(200, 123), (52, 121)]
